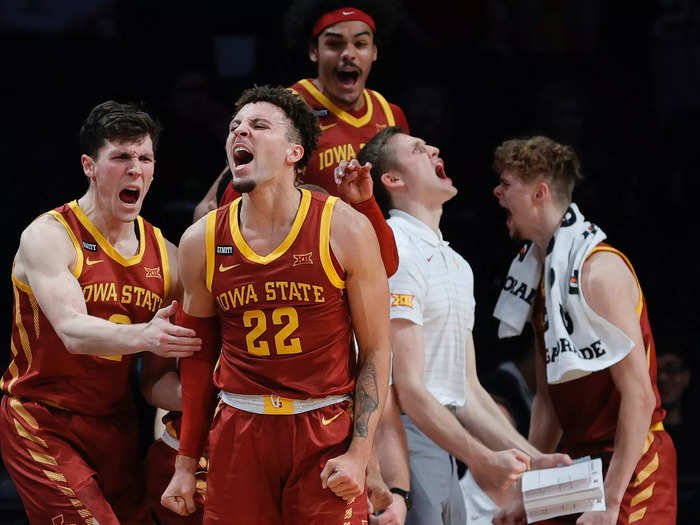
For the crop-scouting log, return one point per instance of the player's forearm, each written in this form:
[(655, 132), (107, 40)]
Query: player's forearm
[(391, 446), (485, 420), (545, 430), (438, 423), (89, 335), (370, 394), (165, 392), (633, 423)]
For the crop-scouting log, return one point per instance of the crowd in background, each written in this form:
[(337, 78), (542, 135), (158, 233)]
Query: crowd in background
[(617, 82)]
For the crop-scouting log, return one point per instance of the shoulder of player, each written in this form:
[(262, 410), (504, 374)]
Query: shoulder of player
[(348, 222), (194, 236), (605, 274), (45, 233)]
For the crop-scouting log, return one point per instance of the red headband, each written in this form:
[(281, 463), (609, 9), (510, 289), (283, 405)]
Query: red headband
[(341, 15)]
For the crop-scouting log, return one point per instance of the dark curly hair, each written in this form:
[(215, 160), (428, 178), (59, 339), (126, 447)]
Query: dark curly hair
[(383, 159), (304, 127), (303, 14), (541, 156), (114, 121)]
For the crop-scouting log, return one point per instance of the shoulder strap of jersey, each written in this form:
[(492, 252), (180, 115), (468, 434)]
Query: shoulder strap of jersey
[(606, 248), (164, 260), (390, 120), (78, 269), (325, 244), (210, 242)]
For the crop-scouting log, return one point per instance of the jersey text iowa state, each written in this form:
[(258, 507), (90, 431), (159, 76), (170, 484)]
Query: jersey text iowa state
[(272, 291), (108, 293), (332, 156)]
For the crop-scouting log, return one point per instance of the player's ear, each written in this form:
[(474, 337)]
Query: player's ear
[(313, 53), (294, 153), (88, 165), (541, 192), (391, 181)]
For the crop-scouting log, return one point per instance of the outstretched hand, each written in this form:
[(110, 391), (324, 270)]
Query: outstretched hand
[(502, 469), (166, 339), (354, 181)]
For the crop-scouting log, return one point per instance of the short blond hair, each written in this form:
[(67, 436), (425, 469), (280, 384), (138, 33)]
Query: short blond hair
[(541, 156)]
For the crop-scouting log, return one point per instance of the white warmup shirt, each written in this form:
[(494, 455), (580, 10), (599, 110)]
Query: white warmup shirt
[(434, 288)]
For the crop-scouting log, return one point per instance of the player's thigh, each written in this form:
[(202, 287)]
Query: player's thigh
[(53, 479), (318, 436), (246, 469)]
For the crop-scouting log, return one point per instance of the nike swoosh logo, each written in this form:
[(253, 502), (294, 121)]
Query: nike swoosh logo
[(90, 263), (223, 268), (347, 13), (329, 421), (329, 126)]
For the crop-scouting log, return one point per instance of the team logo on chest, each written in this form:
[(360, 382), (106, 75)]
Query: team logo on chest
[(153, 272), (302, 258)]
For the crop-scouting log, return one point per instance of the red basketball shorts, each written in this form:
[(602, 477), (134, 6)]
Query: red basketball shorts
[(73, 469), (266, 469)]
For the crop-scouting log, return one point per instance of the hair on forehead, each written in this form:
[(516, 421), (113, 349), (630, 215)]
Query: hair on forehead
[(303, 124)]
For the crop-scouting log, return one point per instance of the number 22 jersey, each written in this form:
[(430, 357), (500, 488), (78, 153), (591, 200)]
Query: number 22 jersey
[(285, 324)]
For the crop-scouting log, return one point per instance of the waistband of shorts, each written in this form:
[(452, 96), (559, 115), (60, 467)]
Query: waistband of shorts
[(272, 404), (170, 440)]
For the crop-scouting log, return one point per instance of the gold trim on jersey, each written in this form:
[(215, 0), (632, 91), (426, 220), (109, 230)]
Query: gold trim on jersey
[(23, 337), (23, 432), (17, 406), (386, 107), (13, 369), (325, 244), (640, 302), (104, 243), (164, 260), (248, 252), (341, 114), (210, 243), (78, 249)]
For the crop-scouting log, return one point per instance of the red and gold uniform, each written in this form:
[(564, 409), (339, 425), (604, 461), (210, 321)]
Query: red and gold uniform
[(69, 432), (588, 409), (285, 337)]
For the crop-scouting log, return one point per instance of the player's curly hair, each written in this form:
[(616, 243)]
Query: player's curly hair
[(541, 156), (112, 120), (301, 16), (304, 127)]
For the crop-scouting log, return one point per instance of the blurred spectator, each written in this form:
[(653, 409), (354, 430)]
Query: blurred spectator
[(675, 374)]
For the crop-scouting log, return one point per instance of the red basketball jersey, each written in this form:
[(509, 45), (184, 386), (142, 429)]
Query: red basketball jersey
[(285, 324), (588, 407), (120, 289), (344, 133)]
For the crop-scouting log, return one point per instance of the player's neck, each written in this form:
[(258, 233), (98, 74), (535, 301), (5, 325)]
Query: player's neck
[(547, 225), (355, 105), (428, 215), (112, 228), (269, 208)]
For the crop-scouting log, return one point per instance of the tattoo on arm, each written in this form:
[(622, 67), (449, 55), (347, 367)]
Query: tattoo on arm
[(366, 398)]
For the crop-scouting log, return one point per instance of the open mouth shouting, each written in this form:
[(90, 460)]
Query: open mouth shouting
[(440, 171), (130, 195), (242, 155), (348, 76)]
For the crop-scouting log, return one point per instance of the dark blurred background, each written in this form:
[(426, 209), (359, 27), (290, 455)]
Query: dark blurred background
[(619, 81)]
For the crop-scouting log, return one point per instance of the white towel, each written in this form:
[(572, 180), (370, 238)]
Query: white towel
[(578, 340)]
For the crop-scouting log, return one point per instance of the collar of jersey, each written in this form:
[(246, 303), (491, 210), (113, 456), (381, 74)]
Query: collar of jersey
[(343, 115), (248, 252), (104, 243), (417, 227)]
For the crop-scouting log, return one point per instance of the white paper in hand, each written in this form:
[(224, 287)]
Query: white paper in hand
[(570, 489)]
